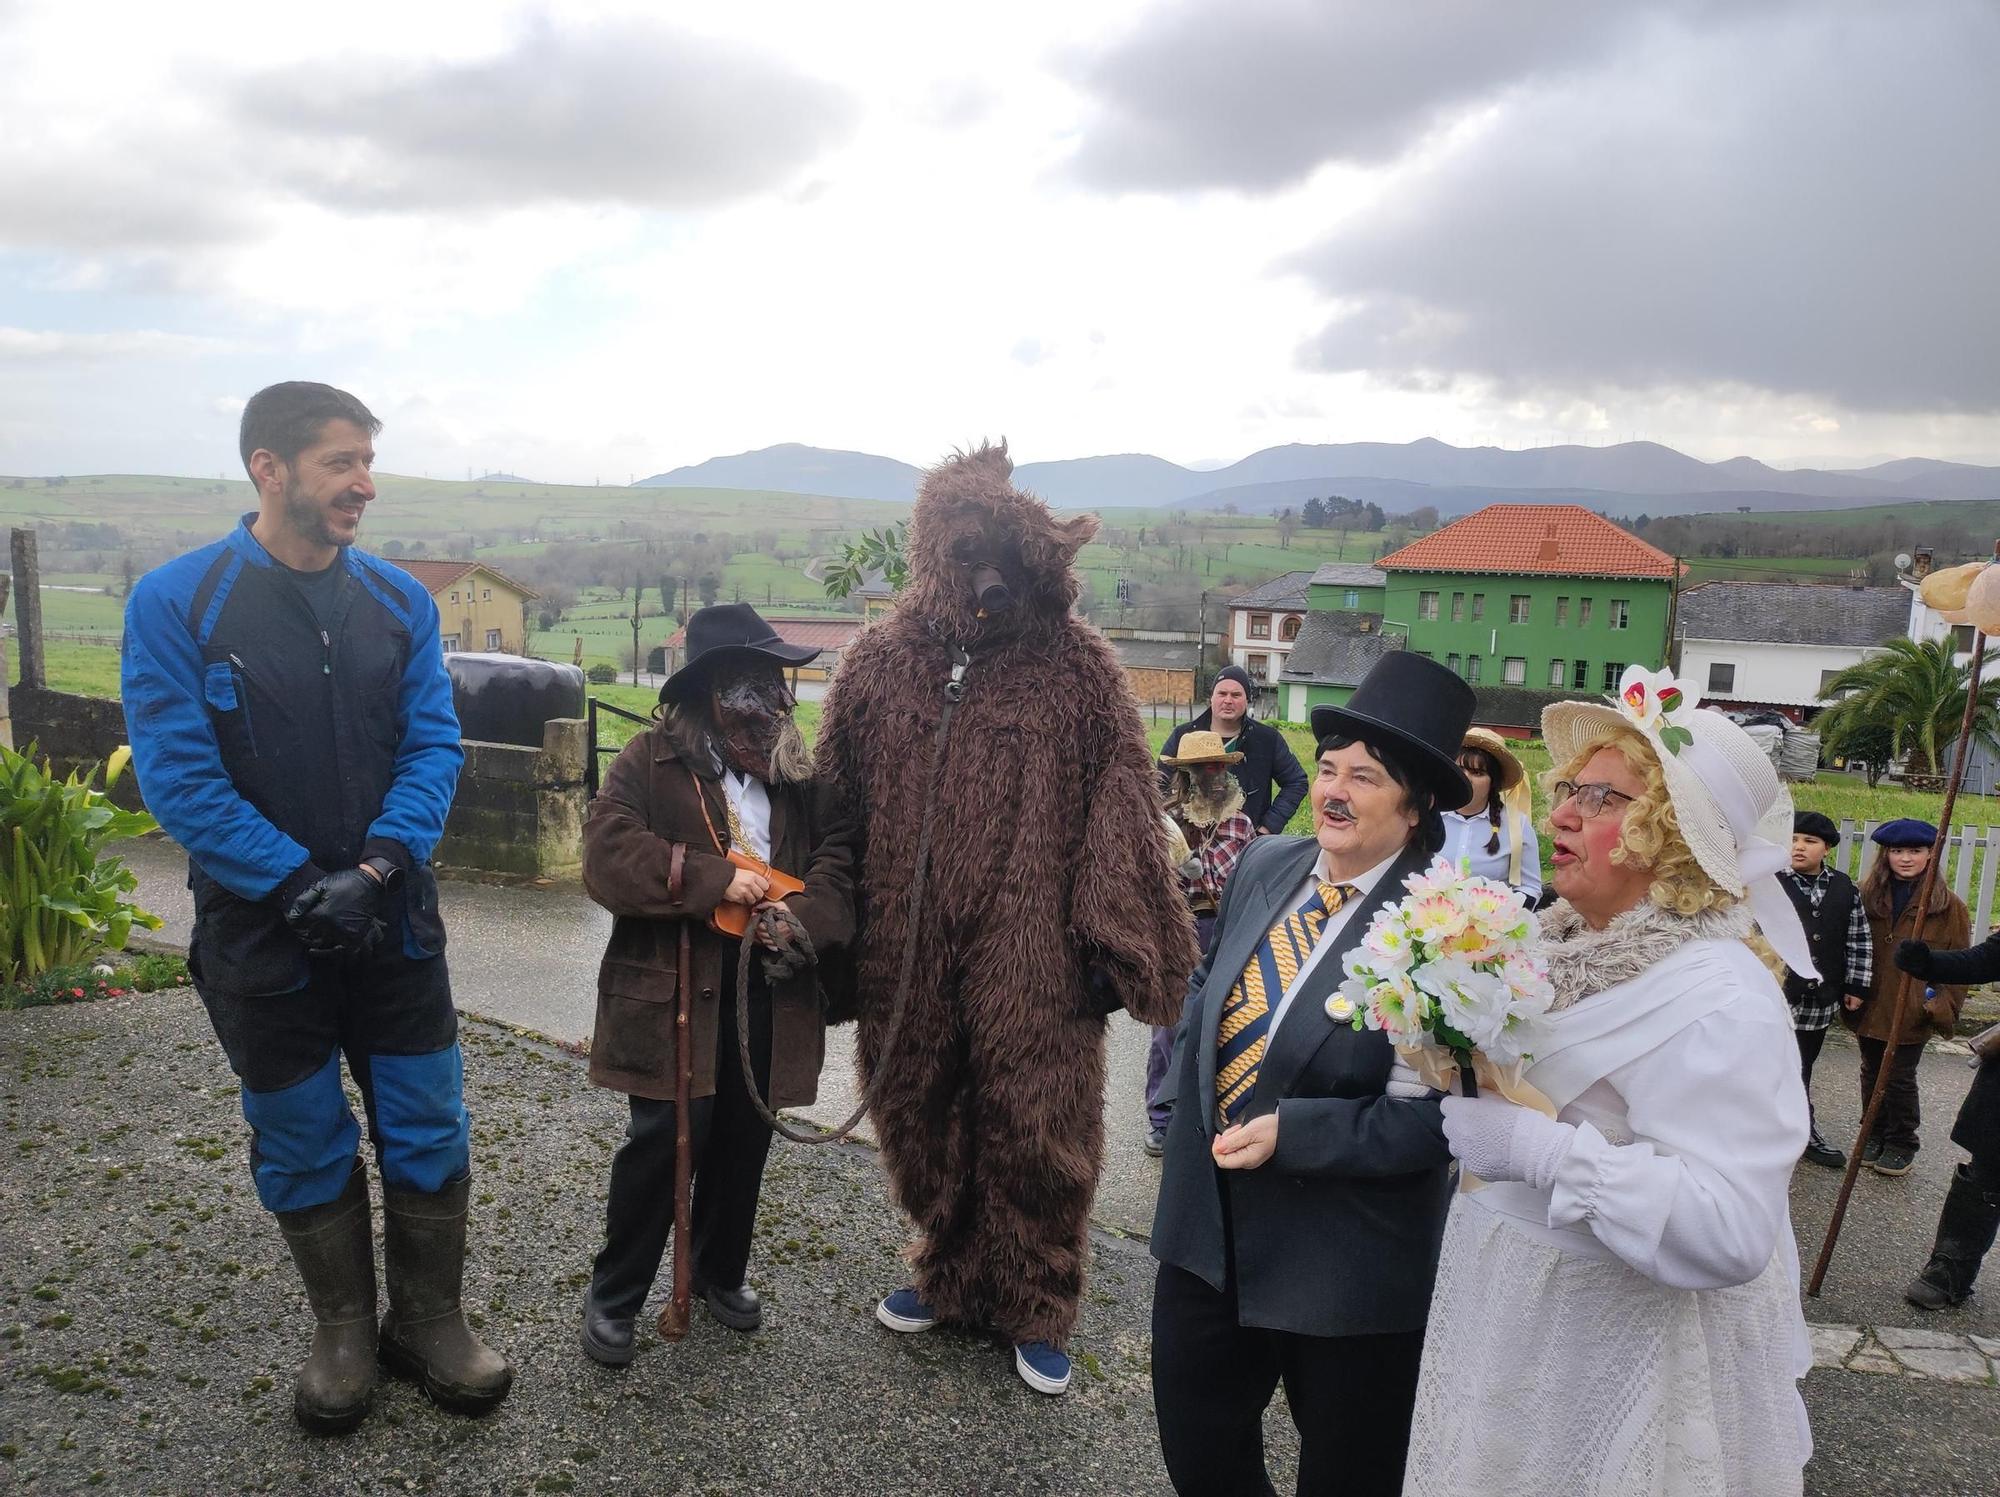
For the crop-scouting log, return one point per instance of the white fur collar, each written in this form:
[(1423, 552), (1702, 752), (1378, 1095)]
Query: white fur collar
[(1583, 961)]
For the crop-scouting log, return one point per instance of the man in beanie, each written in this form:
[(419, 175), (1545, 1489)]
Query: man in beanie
[(1266, 759), (1836, 928)]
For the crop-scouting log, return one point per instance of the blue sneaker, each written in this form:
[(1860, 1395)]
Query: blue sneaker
[(905, 1311), (1042, 1367)]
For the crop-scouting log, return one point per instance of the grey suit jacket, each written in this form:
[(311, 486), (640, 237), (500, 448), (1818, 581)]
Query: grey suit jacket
[(1337, 1233)]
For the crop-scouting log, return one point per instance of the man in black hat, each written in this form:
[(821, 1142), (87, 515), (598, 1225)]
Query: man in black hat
[(1264, 758), (1836, 928), (1303, 1196), (722, 771)]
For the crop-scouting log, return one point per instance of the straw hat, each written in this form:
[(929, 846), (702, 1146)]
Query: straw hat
[(1734, 813), (1491, 743), (1200, 748)]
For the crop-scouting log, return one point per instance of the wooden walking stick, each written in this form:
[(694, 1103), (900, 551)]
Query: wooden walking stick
[(673, 1322), (1900, 1006)]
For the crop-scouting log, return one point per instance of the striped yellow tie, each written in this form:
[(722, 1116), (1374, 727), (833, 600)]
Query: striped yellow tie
[(1246, 1014)]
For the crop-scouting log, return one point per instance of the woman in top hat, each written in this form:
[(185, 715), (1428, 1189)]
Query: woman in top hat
[(1889, 895), (1492, 834), (722, 769), (1304, 1187), (1617, 1307)]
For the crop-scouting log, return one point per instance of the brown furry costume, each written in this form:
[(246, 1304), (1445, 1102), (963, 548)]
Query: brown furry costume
[(1049, 901)]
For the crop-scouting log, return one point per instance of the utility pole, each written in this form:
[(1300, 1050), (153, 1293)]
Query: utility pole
[(1200, 641), (637, 660)]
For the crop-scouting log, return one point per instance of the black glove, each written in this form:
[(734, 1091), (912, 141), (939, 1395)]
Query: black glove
[(1914, 957), (341, 915)]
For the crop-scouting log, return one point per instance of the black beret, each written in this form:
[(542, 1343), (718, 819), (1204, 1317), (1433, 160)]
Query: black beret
[(1816, 824)]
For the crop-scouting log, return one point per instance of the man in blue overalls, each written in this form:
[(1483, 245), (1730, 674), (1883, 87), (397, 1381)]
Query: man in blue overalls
[(292, 727)]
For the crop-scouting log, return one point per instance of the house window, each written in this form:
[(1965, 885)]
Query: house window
[(450, 643), (1451, 663), (1350, 599), (1260, 668), (1514, 671), (1583, 613), (1427, 654), (1580, 678), (486, 595), (1260, 626), (1472, 667), (1721, 677), (1427, 607), (1562, 613), (1961, 639), (492, 639), (1826, 680), (1517, 609), (1621, 613), (1458, 608), (1289, 630), (454, 595), (1613, 669), (1478, 607), (1558, 673)]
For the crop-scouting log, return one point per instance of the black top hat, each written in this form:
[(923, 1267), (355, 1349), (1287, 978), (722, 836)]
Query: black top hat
[(1416, 705), (723, 632)]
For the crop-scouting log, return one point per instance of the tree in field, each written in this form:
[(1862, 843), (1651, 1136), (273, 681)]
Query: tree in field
[(1313, 513), (876, 551), (1914, 693), (709, 586)]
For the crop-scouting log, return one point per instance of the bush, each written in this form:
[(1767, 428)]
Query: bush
[(602, 675), (59, 901), (86, 982)]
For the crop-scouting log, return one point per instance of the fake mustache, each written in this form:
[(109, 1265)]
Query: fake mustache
[(1338, 810)]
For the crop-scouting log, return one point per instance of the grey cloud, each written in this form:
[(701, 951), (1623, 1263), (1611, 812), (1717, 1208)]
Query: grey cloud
[(1805, 209), (624, 113), (1258, 93)]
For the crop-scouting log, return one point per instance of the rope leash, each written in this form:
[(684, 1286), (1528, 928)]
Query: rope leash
[(766, 920)]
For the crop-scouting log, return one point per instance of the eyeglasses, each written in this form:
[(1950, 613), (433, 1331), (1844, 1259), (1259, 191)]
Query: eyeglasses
[(1590, 799)]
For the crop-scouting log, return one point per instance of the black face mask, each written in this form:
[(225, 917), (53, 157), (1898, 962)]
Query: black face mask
[(750, 712)]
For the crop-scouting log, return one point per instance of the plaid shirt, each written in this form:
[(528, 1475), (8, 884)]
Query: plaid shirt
[(1819, 1009)]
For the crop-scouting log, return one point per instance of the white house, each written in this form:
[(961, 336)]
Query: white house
[(1264, 623), (1774, 645)]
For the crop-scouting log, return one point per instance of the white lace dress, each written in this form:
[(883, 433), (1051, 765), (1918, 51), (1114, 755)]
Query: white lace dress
[(1636, 1330)]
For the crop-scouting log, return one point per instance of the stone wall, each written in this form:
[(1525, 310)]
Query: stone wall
[(72, 732), (520, 810)]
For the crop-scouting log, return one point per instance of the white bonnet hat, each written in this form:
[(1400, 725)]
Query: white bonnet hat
[(1734, 812)]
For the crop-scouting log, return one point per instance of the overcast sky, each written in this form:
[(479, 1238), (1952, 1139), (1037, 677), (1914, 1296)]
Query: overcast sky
[(597, 240)]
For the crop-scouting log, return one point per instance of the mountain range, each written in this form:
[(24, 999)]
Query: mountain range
[(1625, 479)]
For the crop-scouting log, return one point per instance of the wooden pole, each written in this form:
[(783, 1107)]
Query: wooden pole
[(28, 611), (1904, 981)]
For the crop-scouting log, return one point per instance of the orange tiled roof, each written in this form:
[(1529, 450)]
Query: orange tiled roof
[(823, 634), (1561, 540), (436, 576)]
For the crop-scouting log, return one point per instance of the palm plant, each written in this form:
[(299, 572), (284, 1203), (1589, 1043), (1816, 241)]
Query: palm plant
[(1911, 694)]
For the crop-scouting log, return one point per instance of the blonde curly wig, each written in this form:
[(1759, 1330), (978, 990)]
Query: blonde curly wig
[(1650, 837)]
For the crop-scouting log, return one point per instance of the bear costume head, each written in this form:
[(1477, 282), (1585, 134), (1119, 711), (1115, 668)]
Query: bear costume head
[(986, 560)]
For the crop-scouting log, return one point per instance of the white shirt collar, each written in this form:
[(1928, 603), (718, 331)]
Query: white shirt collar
[(1366, 882)]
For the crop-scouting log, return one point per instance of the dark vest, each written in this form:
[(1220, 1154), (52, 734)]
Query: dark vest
[(1826, 936)]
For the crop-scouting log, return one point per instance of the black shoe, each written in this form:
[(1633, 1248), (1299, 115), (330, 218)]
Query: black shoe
[(1820, 1152), (1871, 1151), (607, 1339), (1156, 1142), (1894, 1162), (1936, 1288), (739, 1308)]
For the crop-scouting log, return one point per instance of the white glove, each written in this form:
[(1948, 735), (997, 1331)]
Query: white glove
[(1500, 1140)]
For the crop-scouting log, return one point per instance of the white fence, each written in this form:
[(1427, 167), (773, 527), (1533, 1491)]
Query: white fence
[(1971, 854)]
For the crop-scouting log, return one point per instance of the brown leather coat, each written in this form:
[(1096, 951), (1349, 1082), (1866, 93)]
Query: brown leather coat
[(647, 806), (1948, 929)]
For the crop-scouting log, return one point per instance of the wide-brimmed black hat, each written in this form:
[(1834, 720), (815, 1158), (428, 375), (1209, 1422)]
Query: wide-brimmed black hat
[(723, 632), (1414, 705)]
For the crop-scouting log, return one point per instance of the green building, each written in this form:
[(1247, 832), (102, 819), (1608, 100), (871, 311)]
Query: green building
[(1539, 597)]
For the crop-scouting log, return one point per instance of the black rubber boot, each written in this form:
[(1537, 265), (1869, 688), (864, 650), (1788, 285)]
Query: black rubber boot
[(1965, 1233), (424, 1335), (334, 1248)]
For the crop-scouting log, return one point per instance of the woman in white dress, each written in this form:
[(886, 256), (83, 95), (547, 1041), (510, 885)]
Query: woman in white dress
[(1492, 833), (1617, 1310)]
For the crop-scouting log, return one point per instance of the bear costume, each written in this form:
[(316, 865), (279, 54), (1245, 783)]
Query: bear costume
[(1048, 901)]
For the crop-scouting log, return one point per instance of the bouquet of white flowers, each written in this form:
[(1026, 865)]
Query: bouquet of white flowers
[(1451, 973)]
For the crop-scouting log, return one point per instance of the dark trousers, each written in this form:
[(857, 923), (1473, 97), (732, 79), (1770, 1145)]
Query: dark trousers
[(1811, 1042), (1350, 1398), (728, 1142), (1901, 1115)]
